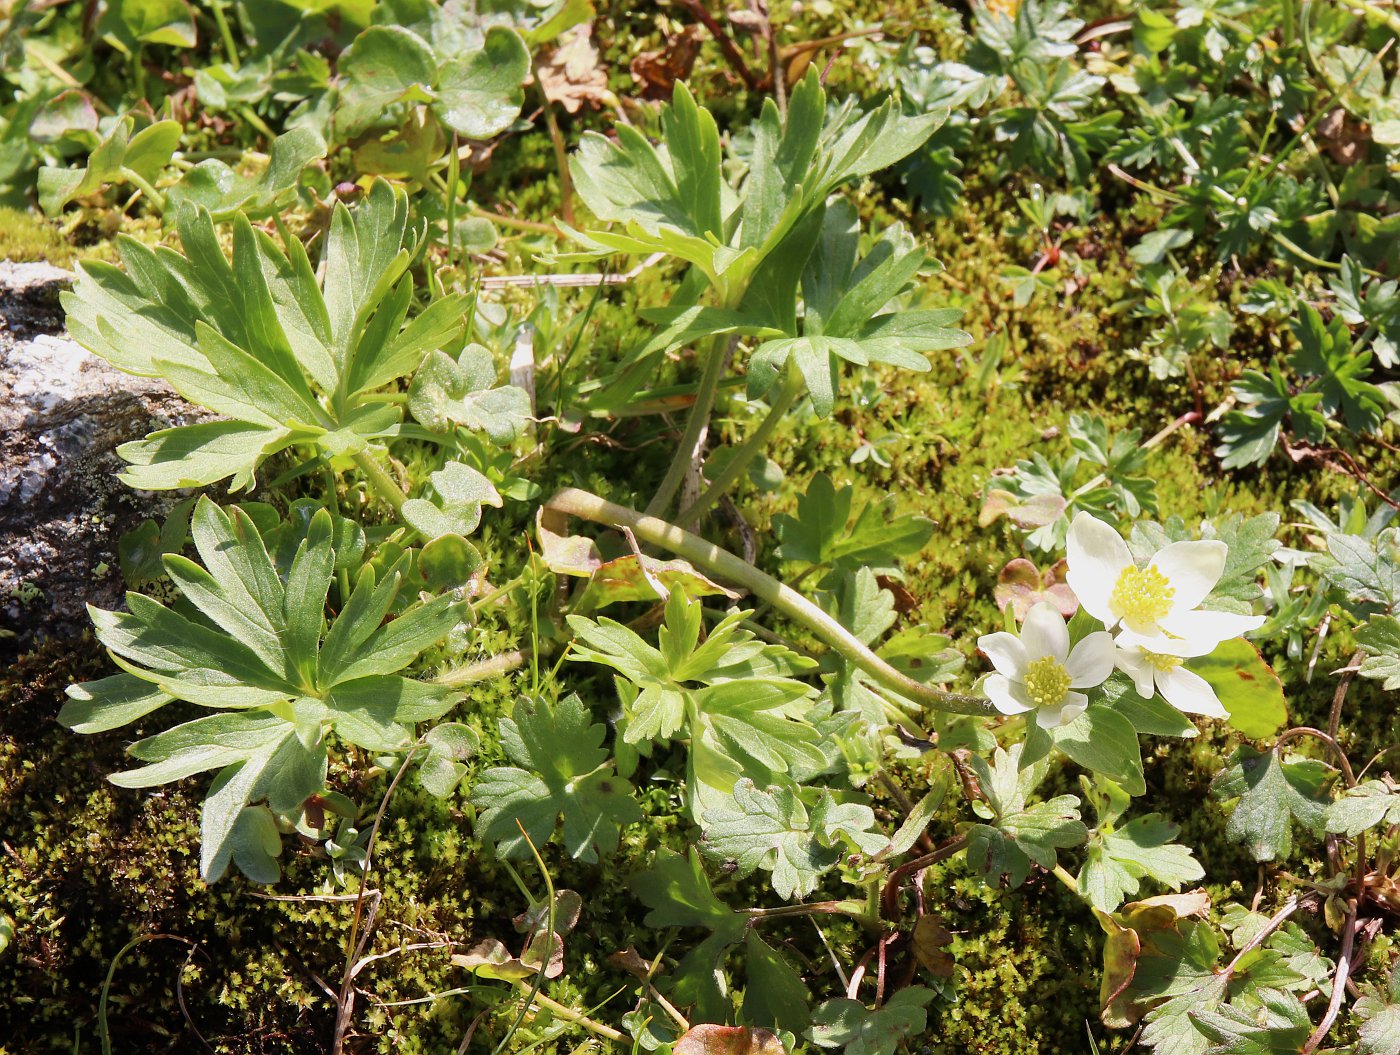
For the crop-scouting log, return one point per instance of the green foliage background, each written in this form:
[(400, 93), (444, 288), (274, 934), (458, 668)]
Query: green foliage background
[(86, 867)]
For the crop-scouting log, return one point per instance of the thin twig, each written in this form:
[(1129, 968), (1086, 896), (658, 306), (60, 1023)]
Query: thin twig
[(727, 47), (355, 949), (891, 890), (1275, 922), (1339, 983), (1334, 719)]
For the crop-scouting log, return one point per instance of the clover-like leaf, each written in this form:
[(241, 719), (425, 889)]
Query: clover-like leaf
[(475, 90), (461, 492), (447, 393)]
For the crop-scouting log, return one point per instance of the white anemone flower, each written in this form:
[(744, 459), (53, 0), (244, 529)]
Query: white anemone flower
[(1163, 672), (1038, 671), (1157, 606)]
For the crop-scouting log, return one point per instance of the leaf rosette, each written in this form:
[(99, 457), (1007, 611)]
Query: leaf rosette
[(254, 645)]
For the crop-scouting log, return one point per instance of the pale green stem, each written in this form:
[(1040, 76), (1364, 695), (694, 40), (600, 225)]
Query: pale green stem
[(745, 453), (155, 197), (250, 115), (568, 1014), (705, 391), (1380, 14), (1062, 874), (230, 49), (381, 481), (789, 602), (453, 177)]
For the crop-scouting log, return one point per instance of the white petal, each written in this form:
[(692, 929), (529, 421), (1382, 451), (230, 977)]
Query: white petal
[(1091, 661), (1192, 568), (1165, 645), (1007, 696), (1044, 633), (1097, 557), (1202, 626), (1054, 717), (1006, 652), (1189, 692), (1133, 663)]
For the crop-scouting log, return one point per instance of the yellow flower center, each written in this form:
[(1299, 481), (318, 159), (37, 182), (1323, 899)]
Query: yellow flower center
[(1161, 663), (1142, 598), (1046, 681)]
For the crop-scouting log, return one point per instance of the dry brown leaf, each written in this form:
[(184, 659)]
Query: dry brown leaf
[(656, 72), (571, 75)]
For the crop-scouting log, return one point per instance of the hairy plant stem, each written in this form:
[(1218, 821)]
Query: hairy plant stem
[(568, 1014), (714, 356), (745, 453), (487, 668), (789, 602), (384, 484)]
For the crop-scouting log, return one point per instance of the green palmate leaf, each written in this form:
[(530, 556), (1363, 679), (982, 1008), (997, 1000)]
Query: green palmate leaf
[(257, 338), (846, 313), (777, 831), (823, 533), (1249, 434), (223, 193), (1272, 794), (447, 393), (674, 200), (1247, 687), (1368, 805), (1365, 570), (677, 893), (730, 694), (775, 995), (123, 152), (1118, 859), (253, 642), (1380, 638), (565, 774), (857, 1030), (475, 91), (1379, 1015), (1251, 545), (1104, 741), (1280, 1024), (1325, 354), (1019, 833)]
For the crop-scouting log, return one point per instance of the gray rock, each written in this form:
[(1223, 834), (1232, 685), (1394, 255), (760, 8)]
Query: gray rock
[(63, 412)]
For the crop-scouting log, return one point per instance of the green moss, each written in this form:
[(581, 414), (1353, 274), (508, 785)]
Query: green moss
[(25, 237)]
